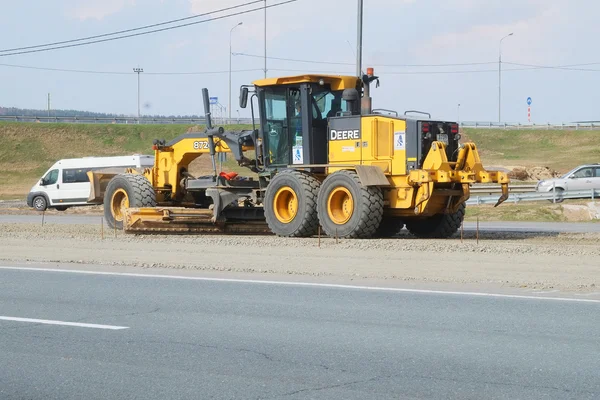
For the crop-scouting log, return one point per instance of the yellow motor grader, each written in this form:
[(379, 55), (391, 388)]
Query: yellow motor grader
[(321, 157)]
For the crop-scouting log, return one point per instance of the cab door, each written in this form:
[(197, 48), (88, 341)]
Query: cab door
[(583, 179), (50, 186)]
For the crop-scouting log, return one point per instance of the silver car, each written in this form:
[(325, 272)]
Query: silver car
[(584, 177)]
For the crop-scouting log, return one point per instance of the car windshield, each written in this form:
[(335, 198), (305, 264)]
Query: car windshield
[(565, 176)]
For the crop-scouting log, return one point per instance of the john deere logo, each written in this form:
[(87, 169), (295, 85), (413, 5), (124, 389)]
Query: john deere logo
[(344, 135)]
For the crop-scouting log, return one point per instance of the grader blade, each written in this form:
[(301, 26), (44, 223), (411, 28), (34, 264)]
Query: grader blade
[(186, 221)]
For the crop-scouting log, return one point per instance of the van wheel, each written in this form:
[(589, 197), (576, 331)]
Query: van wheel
[(126, 191), (40, 203), (61, 208)]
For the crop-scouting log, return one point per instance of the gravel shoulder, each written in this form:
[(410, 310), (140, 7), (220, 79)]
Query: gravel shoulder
[(542, 261)]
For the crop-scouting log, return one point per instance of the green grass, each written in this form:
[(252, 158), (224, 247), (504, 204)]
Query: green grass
[(561, 150)]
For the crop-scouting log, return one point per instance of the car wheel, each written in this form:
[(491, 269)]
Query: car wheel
[(559, 196), (40, 203)]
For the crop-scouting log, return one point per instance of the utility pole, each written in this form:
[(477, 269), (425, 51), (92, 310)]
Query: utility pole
[(265, 39), (458, 113), (138, 70), (48, 105), (230, 52), (359, 39), (500, 78)]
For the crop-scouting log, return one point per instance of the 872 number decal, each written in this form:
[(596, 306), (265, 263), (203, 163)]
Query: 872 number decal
[(200, 145)]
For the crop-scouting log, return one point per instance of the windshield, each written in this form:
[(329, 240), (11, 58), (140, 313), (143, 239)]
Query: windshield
[(565, 176)]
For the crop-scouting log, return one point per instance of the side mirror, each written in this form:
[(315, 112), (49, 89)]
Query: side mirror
[(243, 97), (42, 182)]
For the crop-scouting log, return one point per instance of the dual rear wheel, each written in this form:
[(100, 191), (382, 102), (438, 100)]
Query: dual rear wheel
[(296, 203)]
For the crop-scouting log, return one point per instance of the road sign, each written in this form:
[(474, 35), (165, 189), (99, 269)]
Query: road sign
[(529, 101), (214, 100)]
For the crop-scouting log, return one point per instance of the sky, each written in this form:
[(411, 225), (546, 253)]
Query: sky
[(396, 33)]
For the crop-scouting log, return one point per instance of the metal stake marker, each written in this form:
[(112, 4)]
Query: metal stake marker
[(462, 224), (43, 215), (336, 237), (477, 230), (319, 234)]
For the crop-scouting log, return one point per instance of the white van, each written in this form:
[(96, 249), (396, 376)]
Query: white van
[(67, 184)]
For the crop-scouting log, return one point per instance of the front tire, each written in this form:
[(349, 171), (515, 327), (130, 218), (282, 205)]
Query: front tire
[(441, 226), (347, 209), (559, 196), (40, 203), (291, 204), (125, 191)]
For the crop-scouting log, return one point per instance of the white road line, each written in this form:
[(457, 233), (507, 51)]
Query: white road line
[(308, 284), (63, 323)]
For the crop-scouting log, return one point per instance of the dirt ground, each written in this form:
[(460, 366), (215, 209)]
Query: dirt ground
[(565, 262)]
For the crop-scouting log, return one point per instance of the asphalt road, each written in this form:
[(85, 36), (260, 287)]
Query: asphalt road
[(545, 227), (190, 339)]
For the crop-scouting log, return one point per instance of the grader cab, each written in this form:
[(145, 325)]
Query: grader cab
[(321, 156)]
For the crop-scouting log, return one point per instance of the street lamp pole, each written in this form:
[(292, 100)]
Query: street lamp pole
[(359, 39), (265, 39), (458, 113), (500, 78), (138, 70), (230, 52)]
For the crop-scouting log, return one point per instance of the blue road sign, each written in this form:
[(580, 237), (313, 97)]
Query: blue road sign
[(214, 100), (529, 101)]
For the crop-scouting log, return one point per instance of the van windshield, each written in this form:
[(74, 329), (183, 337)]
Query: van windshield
[(51, 177)]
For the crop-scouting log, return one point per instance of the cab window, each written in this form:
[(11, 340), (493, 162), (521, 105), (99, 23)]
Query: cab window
[(329, 103), (51, 177)]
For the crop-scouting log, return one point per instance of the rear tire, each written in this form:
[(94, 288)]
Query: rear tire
[(291, 204), (61, 208), (126, 191), (440, 226), (347, 209)]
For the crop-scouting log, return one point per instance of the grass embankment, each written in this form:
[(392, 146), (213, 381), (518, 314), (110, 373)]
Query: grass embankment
[(29, 149), (560, 150)]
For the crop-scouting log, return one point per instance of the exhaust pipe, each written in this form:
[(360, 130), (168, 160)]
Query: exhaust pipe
[(210, 131)]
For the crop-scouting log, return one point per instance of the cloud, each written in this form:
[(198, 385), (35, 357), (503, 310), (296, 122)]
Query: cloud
[(533, 26), (98, 9)]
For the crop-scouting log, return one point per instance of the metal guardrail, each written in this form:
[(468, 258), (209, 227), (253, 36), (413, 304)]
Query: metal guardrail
[(516, 125), (554, 196), (123, 120)]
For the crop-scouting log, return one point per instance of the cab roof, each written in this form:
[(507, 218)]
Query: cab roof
[(337, 82)]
